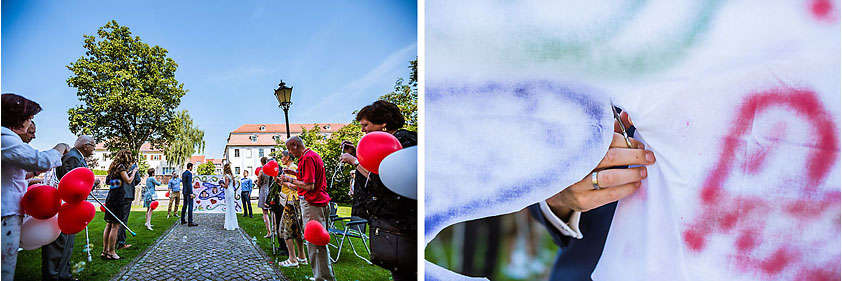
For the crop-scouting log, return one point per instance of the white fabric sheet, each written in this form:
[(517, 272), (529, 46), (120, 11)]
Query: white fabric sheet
[(739, 100)]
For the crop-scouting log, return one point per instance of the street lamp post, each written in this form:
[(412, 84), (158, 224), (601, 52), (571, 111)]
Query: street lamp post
[(284, 95)]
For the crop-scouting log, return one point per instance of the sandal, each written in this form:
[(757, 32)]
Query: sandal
[(288, 263), (302, 261), (102, 255), (112, 258)]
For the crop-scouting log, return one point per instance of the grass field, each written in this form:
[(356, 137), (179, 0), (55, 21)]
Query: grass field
[(29, 262), (349, 266)]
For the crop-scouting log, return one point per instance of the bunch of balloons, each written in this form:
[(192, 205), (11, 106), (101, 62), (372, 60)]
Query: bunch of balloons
[(381, 153), (49, 216)]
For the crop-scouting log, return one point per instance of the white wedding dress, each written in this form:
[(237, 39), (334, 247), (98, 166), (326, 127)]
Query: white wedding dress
[(230, 212)]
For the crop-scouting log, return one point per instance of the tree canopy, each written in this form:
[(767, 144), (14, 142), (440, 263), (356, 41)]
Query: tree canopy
[(206, 168), (127, 88)]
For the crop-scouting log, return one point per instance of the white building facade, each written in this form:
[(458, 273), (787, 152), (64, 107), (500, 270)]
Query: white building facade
[(248, 143)]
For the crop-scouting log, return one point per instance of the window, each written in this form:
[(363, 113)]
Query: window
[(327, 127), (236, 153), (260, 152), (276, 137), (262, 128), (248, 153), (272, 152), (237, 170), (249, 168), (253, 138)]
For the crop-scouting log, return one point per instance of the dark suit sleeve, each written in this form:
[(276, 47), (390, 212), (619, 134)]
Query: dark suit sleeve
[(67, 165), (560, 239)]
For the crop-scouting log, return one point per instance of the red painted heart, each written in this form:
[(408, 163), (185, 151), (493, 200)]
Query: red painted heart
[(762, 250)]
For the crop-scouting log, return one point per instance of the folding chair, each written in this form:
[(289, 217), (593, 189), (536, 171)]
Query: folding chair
[(350, 227)]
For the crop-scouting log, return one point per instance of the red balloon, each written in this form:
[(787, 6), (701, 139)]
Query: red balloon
[(76, 185), (167, 194), (271, 169), (375, 146), (102, 208), (154, 205), (41, 201), (316, 233), (257, 171), (74, 217)]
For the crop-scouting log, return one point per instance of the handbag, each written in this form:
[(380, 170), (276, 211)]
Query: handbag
[(391, 249)]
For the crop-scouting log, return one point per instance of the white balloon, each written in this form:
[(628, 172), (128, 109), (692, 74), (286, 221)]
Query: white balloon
[(35, 233), (399, 172)]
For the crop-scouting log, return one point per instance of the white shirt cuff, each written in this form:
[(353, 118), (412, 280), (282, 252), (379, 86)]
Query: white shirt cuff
[(570, 228)]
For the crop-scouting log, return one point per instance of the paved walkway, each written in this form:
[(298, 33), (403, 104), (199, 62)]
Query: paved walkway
[(204, 252)]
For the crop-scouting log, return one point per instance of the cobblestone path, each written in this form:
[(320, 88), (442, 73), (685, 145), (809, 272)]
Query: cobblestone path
[(204, 252)]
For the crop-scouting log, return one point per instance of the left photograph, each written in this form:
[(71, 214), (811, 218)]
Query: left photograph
[(195, 141)]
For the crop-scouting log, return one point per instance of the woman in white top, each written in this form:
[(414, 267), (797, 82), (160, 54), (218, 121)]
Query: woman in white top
[(230, 213), (19, 158)]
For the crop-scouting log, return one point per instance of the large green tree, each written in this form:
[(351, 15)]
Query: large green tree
[(186, 140), (127, 88)]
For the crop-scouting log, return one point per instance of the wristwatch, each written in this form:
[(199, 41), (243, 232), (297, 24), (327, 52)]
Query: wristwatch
[(356, 162)]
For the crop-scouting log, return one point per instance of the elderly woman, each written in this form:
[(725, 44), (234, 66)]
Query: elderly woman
[(389, 213), (18, 159)]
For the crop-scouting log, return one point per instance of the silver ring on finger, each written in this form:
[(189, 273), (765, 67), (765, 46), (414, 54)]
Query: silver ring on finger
[(594, 180)]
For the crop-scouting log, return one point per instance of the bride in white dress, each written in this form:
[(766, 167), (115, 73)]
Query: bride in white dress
[(230, 212)]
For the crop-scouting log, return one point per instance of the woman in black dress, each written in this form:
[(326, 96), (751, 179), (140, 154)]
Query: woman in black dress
[(117, 175)]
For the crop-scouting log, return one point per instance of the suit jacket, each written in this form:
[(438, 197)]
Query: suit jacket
[(130, 187), (72, 160), (186, 182), (577, 258)]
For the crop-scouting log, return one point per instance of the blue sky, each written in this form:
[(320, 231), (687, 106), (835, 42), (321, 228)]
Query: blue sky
[(338, 56)]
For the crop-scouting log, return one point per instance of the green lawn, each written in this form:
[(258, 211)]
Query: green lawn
[(29, 262), (443, 251), (349, 267)]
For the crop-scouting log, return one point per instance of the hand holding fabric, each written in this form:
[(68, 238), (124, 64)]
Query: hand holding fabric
[(614, 184)]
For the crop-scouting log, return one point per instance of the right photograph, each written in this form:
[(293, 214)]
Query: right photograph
[(632, 140)]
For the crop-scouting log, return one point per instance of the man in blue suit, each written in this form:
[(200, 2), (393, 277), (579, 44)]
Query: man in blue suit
[(578, 218), (187, 192)]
